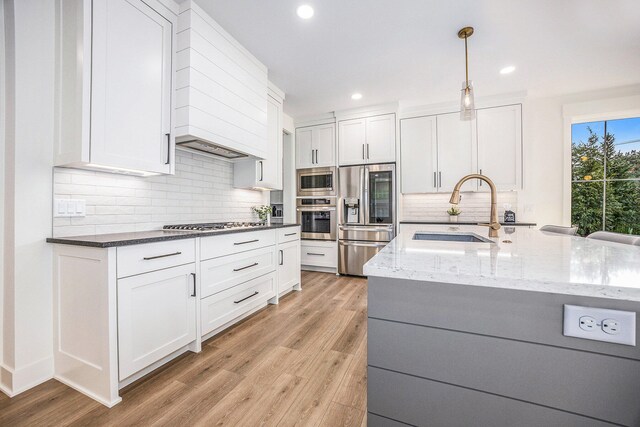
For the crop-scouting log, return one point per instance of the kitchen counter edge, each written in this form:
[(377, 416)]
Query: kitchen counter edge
[(142, 237)]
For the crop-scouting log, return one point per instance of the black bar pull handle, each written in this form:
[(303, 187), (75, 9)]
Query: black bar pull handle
[(245, 267), (148, 258), (193, 294), (168, 135), (246, 298), (248, 241)]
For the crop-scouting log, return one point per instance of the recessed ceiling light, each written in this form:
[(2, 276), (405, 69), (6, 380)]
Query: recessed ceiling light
[(305, 11), (356, 96), (508, 70)]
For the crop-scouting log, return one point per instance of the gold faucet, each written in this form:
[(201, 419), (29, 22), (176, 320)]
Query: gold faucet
[(493, 225)]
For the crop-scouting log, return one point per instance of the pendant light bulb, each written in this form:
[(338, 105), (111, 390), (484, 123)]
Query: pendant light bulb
[(467, 104)]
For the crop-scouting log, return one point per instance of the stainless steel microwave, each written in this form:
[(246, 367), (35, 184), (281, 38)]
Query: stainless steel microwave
[(315, 182)]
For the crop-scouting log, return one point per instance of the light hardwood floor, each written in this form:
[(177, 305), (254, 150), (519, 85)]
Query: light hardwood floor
[(302, 362)]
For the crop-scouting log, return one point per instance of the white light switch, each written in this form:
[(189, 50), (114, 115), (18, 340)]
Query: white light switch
[(600, 324), (65, 208)]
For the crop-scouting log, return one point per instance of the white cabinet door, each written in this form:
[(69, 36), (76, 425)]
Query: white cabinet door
[(272, 165), (156, 316), (266, 173), (381, 139), (288, 265), (418, 155), (352, 138), (305, 156), (500, 146), (131, 87), (324, 144), (456, 152)]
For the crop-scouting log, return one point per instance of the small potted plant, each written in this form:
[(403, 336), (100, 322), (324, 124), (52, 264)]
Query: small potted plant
[(453, 213), (264, 212)]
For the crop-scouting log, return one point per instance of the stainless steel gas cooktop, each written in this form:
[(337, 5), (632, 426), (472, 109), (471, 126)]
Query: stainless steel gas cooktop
[(213, 226)]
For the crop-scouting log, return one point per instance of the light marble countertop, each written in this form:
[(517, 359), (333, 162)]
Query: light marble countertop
[(533, 261)]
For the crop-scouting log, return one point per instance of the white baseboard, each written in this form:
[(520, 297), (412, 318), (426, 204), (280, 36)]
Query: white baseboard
[(86, 392), (16, 381)]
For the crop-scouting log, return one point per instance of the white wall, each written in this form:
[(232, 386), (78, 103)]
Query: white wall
[(27, 350), (545, 197), (200, 191), (3, 109)]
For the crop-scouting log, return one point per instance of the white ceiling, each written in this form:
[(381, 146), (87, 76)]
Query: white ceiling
[(409, 49)]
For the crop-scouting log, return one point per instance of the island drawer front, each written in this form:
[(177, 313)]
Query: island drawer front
[(223, 307), (147, 257), (540, 374), (421, 402), (505, 313), (222, 273), (319, 256), (288, 234), (227, 244)]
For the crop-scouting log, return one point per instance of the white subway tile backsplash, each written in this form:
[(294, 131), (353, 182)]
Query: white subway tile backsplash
[(200, 191), (474, 206)]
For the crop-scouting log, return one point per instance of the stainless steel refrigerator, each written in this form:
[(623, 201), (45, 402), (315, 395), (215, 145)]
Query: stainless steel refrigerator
[(366, 214)]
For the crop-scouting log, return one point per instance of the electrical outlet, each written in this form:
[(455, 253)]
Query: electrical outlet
[(587, 323), (611, 326), (600, 324)]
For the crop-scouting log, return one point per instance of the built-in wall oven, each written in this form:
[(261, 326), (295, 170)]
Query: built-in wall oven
[(314, 182), (317, 217)]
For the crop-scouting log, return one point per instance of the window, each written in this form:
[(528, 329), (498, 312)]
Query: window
[(605, 180)]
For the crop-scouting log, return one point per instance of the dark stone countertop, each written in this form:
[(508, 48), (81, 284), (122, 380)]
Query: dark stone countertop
[(506, 224), (140, 237)]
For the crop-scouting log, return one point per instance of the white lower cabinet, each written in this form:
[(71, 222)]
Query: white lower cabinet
[(156, 316), (226, 272), (223, 307), (288, 266), (121, 312), (319, 253)]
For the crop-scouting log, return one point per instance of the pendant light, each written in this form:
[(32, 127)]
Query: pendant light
[(467, 105)]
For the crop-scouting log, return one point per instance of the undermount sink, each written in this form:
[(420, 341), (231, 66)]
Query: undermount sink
[(451, 237)]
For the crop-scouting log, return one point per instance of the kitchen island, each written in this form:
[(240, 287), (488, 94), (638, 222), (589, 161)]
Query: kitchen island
[(471, 333)]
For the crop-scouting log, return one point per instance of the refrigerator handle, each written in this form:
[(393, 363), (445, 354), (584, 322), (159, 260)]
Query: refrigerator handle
[(365, 192)]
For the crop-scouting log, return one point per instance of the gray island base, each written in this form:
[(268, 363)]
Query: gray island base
[(455, 354)]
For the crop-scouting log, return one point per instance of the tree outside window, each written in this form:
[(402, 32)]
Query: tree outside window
[(605, 181)]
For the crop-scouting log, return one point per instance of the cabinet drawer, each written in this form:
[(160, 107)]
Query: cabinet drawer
[(225, 306), (225, 272), (227, 244), (319, 256), (154, 256), (288, 234)]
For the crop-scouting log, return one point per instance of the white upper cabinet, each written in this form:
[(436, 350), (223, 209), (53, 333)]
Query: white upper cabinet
[(500, 146), (115, 86), (367, 140), (265, 173), (221, 94), (352, 140), (456, 152), (316, 146), (418, 155), (437, 151), (381, 139)]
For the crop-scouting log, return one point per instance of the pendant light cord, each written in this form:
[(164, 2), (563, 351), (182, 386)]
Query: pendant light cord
[(466, 64)]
